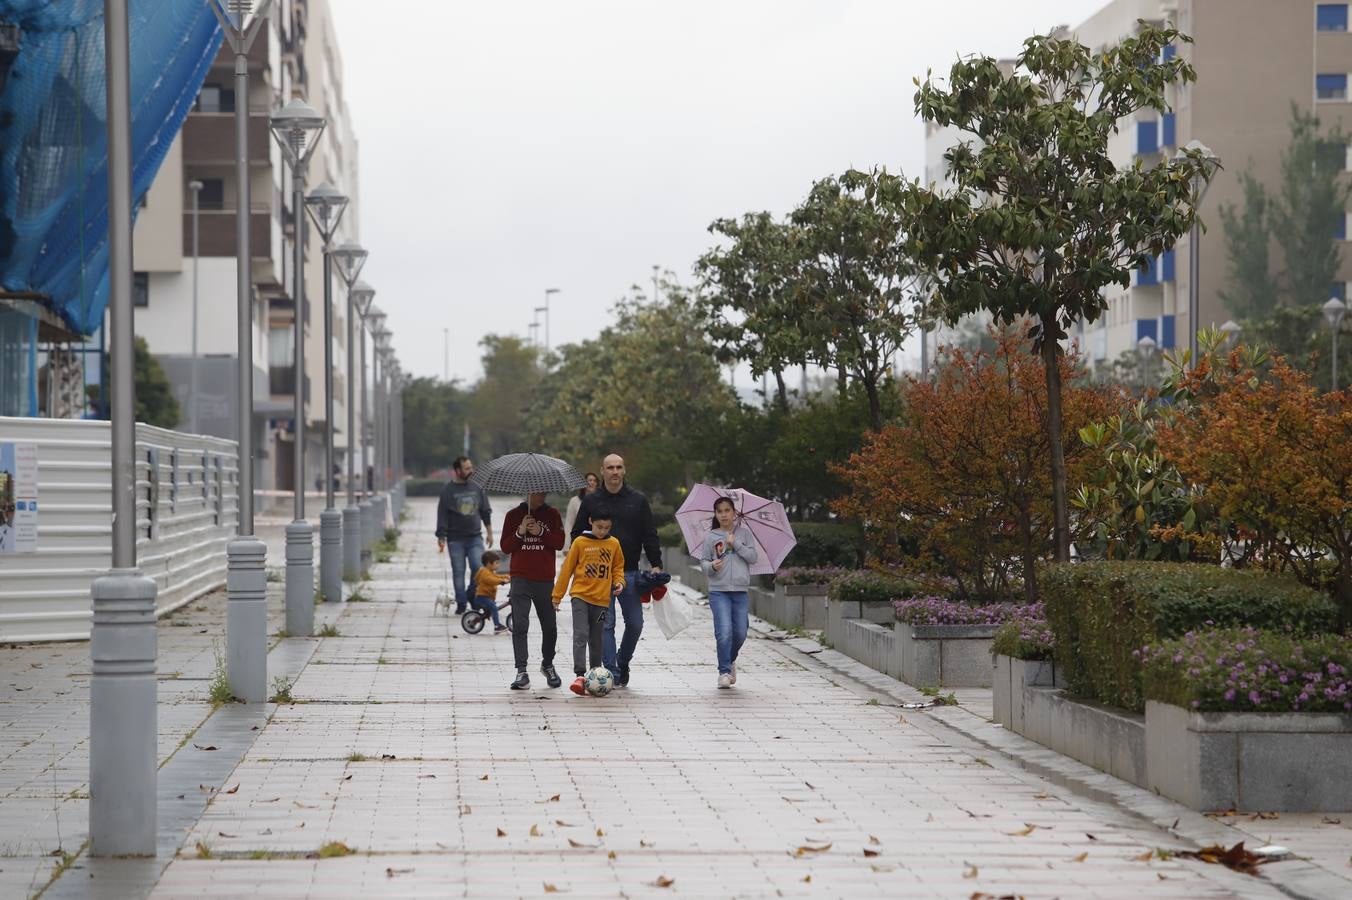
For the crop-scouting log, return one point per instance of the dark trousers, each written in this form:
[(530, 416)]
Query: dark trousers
[(589, 625), (524, 594), (486, 606), (617, 658)]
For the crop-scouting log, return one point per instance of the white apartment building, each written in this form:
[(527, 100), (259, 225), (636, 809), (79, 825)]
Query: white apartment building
[(1253, 58)]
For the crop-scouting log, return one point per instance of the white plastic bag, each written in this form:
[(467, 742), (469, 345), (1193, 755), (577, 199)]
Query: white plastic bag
[(673, 614)]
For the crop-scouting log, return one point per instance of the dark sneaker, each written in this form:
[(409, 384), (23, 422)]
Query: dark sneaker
[(622, 678), (460, 610), (522, 682), (551, 677), (499, 629), (579, 686)]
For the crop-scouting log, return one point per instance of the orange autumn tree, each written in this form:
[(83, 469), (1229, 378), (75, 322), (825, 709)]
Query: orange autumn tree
[(965, 476), (1274, 457)]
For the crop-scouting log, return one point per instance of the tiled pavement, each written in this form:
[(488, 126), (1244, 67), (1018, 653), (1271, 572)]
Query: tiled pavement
[(405, 746)]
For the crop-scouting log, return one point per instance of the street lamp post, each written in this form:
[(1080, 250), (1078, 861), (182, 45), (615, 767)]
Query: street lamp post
[(246, 619), (1199, 189), (297, 127), (549, 292), (326, 206), (1146, 349), (372, 319), (122, 646), (1231, 330), (195, 187), (1334, 310), (380, 410), (350, 259)]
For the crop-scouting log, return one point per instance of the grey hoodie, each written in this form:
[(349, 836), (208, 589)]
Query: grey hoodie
[(736, 572)]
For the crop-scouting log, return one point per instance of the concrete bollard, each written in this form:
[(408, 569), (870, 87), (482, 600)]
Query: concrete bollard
[(367, 516), (246, 613), (352, 542), (300, 579), (331, 555), (123, 760)]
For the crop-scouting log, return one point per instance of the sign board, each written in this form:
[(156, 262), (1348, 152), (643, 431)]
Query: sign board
[(18, 497)]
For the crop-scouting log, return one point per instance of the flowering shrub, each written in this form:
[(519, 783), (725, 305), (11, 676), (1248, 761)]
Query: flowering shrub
[(1246, 670), (942, 611), (809, 574), (1025, 637)]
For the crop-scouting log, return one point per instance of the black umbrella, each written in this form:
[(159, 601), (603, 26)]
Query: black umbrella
[(527, 473)]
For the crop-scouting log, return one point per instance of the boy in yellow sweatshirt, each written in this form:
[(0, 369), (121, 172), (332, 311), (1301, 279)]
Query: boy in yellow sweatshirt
[(595, 565), (486, 584)]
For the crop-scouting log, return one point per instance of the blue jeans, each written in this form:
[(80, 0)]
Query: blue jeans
[(488, 608), (730, 609), (465, 552), (632, 610)]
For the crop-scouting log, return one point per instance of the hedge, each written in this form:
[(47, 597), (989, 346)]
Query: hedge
[(1102, 613), (826, 544), (424, 487), (1027, 637), (873, 587)]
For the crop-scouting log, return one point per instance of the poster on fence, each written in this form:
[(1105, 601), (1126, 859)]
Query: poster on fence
[(18, 497)]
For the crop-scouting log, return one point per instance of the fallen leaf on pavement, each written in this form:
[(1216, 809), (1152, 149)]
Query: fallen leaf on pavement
[(1263, 815), (1081, 858), (600, 833), (611, 855), (807, 879), (270, 800), (1236, 857), (563, 824), (427, 776), (483, 777), (347, 777), (1023, 832), (1144, 857), (820, 820), (553, 799), (663, 881), (872, 839), (233, 790), (550, 889), (643, 843), (390, 873), (970, 871), (877, 868), (387, 756), (501, 833), (1090, 836), (805, 849), (300, 805), (581, 846), (810, 786), (868, 852), (255, 728), (535, 831), (1042, 796), (224, 835), (1327, 820)]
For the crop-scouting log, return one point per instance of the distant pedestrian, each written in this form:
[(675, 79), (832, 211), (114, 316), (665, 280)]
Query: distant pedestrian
[(633, 527), (595, 566), (726, 557), (486, 584), (463, 514), (531, 533), (575, 503)]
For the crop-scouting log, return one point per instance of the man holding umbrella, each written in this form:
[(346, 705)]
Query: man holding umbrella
[(634, 529), (531, 533)]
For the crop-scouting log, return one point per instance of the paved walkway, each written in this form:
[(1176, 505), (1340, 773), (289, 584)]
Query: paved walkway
[(407, 764)]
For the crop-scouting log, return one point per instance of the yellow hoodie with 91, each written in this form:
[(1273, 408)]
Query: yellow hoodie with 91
[(596, 568)]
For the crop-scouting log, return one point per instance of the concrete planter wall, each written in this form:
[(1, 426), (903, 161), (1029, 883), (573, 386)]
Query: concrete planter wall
[(1011, 676), (872, 644), (945, 655), (839, 611), (1284, 762), (790, 605)]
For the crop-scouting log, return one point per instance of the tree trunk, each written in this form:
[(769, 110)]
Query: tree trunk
[(1051, 357), (875, 406), (1029, 559), (841, 385), (781, 392)]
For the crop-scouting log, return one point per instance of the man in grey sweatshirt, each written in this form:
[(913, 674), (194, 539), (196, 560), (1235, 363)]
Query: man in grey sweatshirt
[(462, 515)]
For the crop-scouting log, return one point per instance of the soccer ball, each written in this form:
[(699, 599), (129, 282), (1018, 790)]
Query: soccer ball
[(598, 681)]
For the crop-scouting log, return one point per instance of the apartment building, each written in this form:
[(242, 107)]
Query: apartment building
[(295, 55), (1253, 58)]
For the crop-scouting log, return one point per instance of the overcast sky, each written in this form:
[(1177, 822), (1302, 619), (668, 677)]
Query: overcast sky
[(509, 146)]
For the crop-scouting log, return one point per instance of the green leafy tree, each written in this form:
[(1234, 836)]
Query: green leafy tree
[(155, 400), (498, 404), (434, 424), (1251, 287), (1313, 198), (1041, 219)]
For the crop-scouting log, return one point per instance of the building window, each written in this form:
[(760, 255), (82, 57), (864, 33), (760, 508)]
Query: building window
[(282, 360), (1168, 130), (1331, 156), (1168, 332), (1168, 52), (215, 98), (1147, 138), (1338, 289), (212, 195), (1340, 227), (1148, 328), (1331, 17), (1167, 266), (140, 289), (1331, 86)]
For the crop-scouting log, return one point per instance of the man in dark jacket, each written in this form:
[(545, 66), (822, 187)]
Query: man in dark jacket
[(462, 514), (532, 533), (633, 527)]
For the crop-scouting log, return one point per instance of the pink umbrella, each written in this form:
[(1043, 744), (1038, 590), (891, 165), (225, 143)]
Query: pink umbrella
[(765, 519)]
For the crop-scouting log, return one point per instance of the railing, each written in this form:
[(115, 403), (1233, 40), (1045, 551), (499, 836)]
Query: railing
[(186, 490)]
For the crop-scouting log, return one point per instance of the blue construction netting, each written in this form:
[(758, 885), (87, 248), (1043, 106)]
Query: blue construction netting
[(53, 137)]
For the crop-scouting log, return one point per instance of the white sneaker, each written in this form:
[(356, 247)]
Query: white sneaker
[(733, 673), (725, 680)]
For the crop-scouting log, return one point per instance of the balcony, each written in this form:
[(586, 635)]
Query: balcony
[(210, 138), (217, 237)]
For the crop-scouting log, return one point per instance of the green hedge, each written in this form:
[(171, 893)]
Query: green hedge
[(872, 587), (424, 487), (669, 535), (826, 544), (1102, 613)]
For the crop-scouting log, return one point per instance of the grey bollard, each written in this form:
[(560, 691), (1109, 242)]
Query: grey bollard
[(331, 555), (367, 516), (351, 543), (246, 618), (382, 516), (300, 579), (123, 760)]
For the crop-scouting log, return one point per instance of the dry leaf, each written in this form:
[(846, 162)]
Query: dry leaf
[(427, 776), (600, 833), (868, 852), (224, 835), (1263, 815), (554, 799), (643, 843), (877, 868), (208, 747), (1327, 820), (581, 846), (1236, 857), (501, 833), (663, 881), (563, 824), (390, 873), (872, 839), (550, 889), (535, 831), (300, 805), (807, 879), (1090, 836), (347, 777), (465, 810), (970, 871), (1023, 832), (233, 790), (270, 800), (483, 777), (1042, 796), (810, 786), (1144, 857), (1081, 858), (610, 855), (807, 848)]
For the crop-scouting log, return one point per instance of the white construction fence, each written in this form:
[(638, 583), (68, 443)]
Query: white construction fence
[(186, 490)]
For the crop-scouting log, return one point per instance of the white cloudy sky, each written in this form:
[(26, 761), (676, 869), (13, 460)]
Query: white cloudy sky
[(508, 146)]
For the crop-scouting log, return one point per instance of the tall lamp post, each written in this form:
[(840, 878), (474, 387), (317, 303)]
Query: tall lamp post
[(1146, 349), (122, 646), (371, 319), (549, 292), (1231, 330), (195, 187), (1199, 189), (246, 619), (380, 338), (351, 258), (326, 205), (297, 127), (1334, 310)]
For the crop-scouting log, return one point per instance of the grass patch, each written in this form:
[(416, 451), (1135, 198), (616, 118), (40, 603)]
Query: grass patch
[(354, 756), (365, 576), (335, 848), (797, 631), (932, 691), (283, 633), (273, 576), (329, 630), (77, 794), (358, 596), (384, 557), (203, 850), (281, 690), (382, 661), (220, 692), (260, 854), (872, 701), (319, 598)]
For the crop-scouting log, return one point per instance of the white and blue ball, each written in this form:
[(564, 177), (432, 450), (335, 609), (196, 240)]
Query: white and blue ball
[(598, 681)]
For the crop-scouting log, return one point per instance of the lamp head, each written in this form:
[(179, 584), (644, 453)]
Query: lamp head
[(326, 204), (350, 258), (1334, 310), (296, 127), (1146, 347), (362, 295)]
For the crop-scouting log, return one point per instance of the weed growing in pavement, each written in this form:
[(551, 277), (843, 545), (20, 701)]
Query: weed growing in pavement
[(329, 630), (797, 631), (260, 854), (281, 690), (203, 850), (283, 633), (382, 661), (335, 848), (358, 596), (354, 756), (872, 701), (220, 691), (273, 576), (930, 690), (319, 598), (384, 557), (365, 576)]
